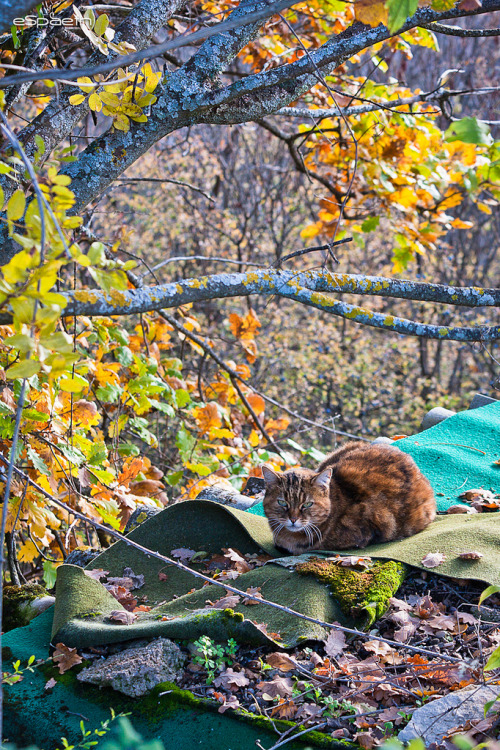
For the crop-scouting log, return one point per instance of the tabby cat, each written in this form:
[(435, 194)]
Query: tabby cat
[(361, 494)]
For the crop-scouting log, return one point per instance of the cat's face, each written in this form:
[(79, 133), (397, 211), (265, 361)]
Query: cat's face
[(297, 500)]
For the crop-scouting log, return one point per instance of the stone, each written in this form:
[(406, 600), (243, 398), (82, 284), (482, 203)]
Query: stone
[(481, 399), (227, 496), (137, 670), (435, 416), (21, 604), (434, 720)]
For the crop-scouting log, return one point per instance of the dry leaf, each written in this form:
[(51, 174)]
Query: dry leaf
[(335, 643), (371, 12), (470, 555), (137, 578), (122, 616), (226, 602), (386, 653), (280, 661), (231, 680), (97, 573), (433, 559), (65, 657), (353, 561), (284, 709), (50, 684), (231, 702), (461, 509), (255, 594), (183, 553), (279, 687)]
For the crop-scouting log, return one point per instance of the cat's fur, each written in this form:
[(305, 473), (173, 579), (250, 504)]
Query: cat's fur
[(361, 494)]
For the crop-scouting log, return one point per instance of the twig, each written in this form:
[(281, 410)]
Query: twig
[(293, 737), (167, 179), (233, 374), (442, 28), (306, 250), (224, 585)]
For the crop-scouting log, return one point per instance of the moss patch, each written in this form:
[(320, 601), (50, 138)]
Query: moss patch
[(16, 613), (363, 594)]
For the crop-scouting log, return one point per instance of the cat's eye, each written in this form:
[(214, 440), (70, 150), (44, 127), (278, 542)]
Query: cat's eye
[(283, 503), (306, 505)]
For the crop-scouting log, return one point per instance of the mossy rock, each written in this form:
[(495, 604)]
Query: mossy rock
[(23, 603), (363, 594)]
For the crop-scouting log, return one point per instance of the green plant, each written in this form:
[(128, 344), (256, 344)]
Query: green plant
[(335, 707), (125, 736), (213, 656), (10, 678)]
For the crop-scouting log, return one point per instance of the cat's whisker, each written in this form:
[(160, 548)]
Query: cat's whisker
[(315, 530), (309, 535)]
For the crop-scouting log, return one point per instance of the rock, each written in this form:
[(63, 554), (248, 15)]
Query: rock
[(480, 399), (138, 670), (82, 557), (434, 720), (23, 603), (435, 416), (227, 496), (382, 441), (254, 486)]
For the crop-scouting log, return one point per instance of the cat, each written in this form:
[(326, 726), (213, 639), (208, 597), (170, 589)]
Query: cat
[(360, 494)]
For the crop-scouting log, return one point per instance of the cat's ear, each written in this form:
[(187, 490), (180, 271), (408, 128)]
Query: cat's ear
[(271, 477), (323, 480)]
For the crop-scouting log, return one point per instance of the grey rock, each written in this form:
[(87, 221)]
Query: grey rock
[(382, 441), (435, 416), (136, 671), (434, 720), (226, 496), (481, 399)]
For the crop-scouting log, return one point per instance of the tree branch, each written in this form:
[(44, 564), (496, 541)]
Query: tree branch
[(441, 28), (311, 288)]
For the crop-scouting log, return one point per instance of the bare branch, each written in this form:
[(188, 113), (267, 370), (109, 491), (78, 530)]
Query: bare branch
[(311, 288), (438, 95), (442, 28)]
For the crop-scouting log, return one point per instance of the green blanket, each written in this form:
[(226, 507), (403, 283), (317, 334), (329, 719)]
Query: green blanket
[(179, 602), (456, 455)]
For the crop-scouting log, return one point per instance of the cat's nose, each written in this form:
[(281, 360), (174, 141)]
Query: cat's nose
[(293, 520)]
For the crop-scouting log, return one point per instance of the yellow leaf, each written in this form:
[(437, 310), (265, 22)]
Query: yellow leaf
[(95, 102), (76, 99), (254, 438), (16, 206), (371, 12), (121, 122), (27, 552), (484, 207)]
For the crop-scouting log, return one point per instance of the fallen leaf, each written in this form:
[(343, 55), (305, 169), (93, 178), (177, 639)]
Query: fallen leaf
[(308, 711), (470, 555), (226, 602), (254, 596), (162, 576), (284, 710), (65, 657), (97, 573), (239, 562), (231, 702), (137, 578), (461, 509), (386, 653), (279, 687), (126, 583), (231, 680), (121, 616), (335, 643), (433, 559), (183, 553), (280, 661), (142, 608), (353, 561), (50, 684)]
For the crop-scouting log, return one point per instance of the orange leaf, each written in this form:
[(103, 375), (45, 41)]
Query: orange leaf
[(256, 402), (207, 417), (371, 12)]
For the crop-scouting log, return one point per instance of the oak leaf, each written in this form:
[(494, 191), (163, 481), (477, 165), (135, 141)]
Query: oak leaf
[(122, 616), (183, 553), (284, 710), (231, 680), (254, 595), (231, 702), (279, 687), (335, 643), (226, 602), (280, 661), (65, 657), (433, 559)]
